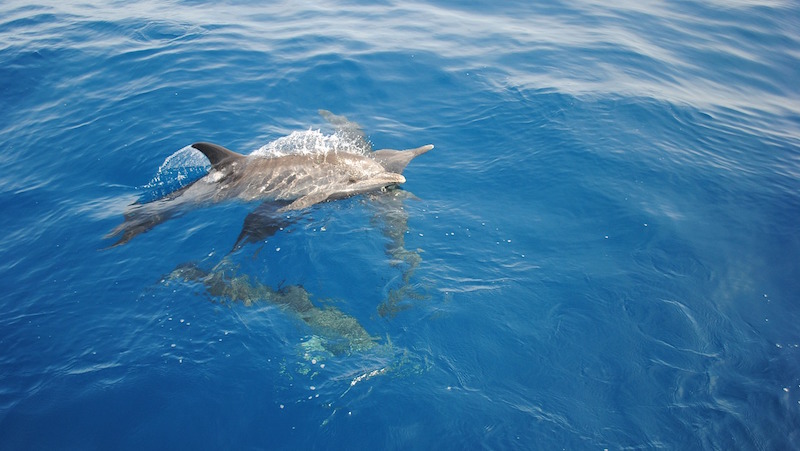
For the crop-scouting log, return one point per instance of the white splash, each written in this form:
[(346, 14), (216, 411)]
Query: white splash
[(311, 142), (178, 170), (186, 157)]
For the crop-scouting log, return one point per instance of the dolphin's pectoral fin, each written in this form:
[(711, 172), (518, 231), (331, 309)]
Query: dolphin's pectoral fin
[(306, 201), (262, 223)]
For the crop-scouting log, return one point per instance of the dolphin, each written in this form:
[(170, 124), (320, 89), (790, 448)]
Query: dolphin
[(339, 332), (283, 183)]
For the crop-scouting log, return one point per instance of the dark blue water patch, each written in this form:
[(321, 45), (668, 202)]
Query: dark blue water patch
[(22, 75), (92, 407)]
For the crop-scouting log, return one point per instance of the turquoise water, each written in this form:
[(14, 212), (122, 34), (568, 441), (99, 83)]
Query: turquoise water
[(601, 252)]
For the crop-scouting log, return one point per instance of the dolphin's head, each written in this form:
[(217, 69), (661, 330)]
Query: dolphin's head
[(397, 160)]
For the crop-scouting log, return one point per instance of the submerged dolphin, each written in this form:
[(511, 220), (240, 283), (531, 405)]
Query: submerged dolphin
[(290, 182), (339, 332)]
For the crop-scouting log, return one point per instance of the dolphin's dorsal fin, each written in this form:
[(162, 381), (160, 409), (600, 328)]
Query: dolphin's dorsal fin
[(217, 155), (350, 130), (397, 160)]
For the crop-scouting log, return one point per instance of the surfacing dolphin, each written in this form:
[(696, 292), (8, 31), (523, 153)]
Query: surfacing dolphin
[(284, 183)]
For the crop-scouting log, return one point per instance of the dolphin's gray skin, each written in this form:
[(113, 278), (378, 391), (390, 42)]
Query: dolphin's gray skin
[(290, 182)]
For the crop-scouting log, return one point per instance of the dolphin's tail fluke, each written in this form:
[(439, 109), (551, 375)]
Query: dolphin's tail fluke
[(140, 218), (397, 160), (136, 221)]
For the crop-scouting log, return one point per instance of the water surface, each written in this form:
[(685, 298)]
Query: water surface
[(600, 253)]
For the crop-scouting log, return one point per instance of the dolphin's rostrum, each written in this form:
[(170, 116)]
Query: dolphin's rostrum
[(288, 182)]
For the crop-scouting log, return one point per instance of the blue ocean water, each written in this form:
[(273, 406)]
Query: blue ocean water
[(601, 252)]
